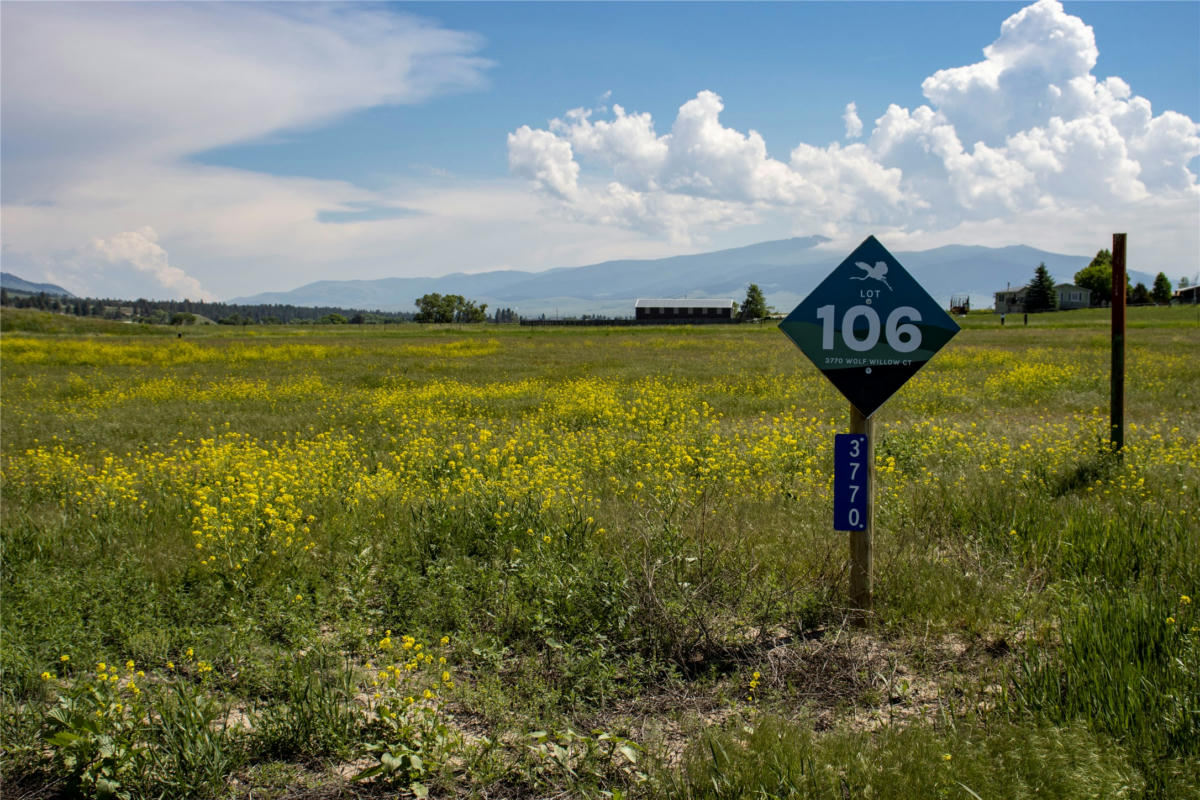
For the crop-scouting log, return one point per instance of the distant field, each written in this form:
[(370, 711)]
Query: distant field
[(496, 561)]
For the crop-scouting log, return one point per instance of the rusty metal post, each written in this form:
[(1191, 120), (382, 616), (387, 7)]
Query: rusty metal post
[(861, 588), (1117, 416)]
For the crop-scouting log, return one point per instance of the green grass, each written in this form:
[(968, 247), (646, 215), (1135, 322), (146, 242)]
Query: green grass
[(1136, 317), (624, 535), (24, 320), (771, 757)]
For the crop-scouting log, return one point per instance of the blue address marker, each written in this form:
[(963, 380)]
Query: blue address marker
[(851, 482)]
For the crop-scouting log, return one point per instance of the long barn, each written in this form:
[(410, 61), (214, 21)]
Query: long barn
[(686, 309)]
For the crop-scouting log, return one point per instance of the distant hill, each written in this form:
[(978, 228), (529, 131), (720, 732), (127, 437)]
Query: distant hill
[(14, 283), (786, 270)]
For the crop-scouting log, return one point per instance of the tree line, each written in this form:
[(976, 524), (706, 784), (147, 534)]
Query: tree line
[(184, 312), (445, 308), (1098, 278), (430, 308)]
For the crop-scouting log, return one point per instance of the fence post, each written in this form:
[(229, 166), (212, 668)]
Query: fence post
[(1117, 416)]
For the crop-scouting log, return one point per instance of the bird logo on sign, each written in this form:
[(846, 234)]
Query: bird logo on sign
[(877, 272)]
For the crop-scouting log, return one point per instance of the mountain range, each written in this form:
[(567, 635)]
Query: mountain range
[(16, 284), (786, 270)]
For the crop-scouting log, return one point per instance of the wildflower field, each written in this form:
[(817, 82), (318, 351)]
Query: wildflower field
[(492, 561)]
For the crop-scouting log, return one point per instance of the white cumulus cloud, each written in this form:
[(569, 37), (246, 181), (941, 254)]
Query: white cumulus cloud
[(627, 143), (701, 174), (140, 249), (854, 126), (543, 157), (1021, 81), (1026, 132)]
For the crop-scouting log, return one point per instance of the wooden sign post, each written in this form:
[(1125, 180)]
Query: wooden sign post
[(861, 589)]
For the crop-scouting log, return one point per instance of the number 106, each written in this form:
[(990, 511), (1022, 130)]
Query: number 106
[(901, 334)]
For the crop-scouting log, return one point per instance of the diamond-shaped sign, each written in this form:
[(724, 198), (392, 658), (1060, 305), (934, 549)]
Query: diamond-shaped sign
[(869, 326)]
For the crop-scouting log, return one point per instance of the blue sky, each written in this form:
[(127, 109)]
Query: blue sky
[(220, 150), (788, 70)]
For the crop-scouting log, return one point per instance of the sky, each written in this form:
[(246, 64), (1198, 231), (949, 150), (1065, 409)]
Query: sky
[(209, 150)]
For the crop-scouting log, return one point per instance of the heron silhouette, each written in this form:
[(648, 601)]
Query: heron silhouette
[(877, 272)]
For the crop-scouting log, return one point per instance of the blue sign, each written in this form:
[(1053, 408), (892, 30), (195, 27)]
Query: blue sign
[(851, 482), (869, 326)]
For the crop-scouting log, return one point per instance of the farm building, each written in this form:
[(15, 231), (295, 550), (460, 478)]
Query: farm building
[(1012, 301), (1072, 296), (688, 309), (1188, 295)]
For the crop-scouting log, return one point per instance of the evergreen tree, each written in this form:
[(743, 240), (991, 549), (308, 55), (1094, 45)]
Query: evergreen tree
[(1040, 294), (755, 305), (1140, 296), (1161, 291)]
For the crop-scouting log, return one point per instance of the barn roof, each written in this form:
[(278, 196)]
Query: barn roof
[(684, 302)]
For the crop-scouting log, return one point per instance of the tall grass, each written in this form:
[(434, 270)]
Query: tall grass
[(1130, 667), (770, 757)]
